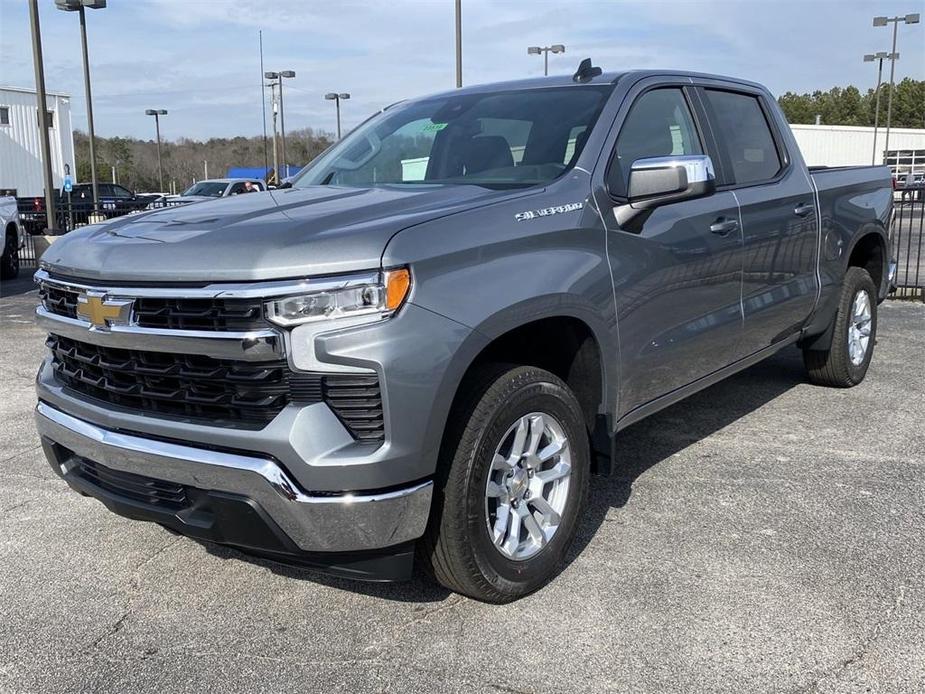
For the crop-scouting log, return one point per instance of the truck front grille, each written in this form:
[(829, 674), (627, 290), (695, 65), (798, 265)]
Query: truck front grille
[(170, 313), (200, 314), (59, 300), (222, 392), (215, 392)]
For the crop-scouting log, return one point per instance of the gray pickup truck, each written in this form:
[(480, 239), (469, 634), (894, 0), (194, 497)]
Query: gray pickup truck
[(426, 346)]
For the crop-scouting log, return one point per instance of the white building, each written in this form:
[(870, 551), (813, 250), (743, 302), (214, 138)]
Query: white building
[(846, 145), (20, 147)]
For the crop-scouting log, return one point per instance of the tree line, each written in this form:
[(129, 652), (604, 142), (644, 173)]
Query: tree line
[(135, 161), (848, 106), (185, 160)]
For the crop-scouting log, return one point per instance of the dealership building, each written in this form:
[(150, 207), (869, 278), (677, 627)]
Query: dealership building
[(20, 144), (845, 145)]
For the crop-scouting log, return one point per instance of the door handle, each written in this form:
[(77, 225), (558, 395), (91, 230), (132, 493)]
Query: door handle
[(802, 210), (723, 226)]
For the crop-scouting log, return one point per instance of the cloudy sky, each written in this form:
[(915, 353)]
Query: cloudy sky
[(199, 58)]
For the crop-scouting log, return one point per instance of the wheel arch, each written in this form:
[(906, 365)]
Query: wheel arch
[(870, 250), (578, 354)]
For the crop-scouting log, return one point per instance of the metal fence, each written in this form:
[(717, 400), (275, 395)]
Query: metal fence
[(907, 239)]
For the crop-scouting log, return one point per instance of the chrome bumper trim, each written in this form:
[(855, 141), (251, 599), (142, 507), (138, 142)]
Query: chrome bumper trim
[(340, 523), (257, 345)]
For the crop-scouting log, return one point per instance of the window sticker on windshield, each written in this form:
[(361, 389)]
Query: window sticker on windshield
[(433, 127)]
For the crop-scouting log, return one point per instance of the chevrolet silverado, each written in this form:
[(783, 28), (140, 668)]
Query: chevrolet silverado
[(426, 346)]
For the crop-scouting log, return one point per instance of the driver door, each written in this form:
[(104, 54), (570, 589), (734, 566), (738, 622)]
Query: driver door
[(677, 269)]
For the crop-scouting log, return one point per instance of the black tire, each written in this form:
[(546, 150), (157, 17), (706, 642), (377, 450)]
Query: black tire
[(834, 367), (9, 261), (457, 547)]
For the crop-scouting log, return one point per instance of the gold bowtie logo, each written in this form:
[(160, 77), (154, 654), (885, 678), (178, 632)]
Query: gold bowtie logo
[(102, 312)]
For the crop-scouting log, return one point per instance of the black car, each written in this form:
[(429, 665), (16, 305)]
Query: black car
[(115, 201)]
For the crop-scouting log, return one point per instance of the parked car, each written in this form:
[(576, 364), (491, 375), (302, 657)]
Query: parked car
[(115, 200), (213, 188), (390, 360), (75, 208), (13, 239)]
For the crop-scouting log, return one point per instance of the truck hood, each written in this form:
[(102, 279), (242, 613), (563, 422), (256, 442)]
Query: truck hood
[(295, 232)]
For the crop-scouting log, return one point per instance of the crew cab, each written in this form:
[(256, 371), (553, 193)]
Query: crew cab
[(426, 346)]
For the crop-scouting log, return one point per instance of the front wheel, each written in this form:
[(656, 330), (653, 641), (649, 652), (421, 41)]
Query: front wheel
[(854, 335), (514, 480)]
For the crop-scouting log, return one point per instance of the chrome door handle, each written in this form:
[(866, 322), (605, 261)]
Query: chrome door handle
[(802, 210), (724, 226)]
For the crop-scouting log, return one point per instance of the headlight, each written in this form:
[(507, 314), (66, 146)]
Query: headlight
[(350, 298)]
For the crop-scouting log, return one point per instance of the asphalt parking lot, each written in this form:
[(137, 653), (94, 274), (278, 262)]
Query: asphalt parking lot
[(763, 536)]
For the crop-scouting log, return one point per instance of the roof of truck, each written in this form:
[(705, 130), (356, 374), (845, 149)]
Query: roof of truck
[(603, 79)]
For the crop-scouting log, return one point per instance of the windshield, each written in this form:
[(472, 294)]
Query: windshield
[(213, 189), (496, 140)]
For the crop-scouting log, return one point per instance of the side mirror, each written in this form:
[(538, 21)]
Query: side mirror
[(662, 180), (658, 181)]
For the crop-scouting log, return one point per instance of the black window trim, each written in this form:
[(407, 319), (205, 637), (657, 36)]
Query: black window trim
[(9, 121), (707, 142), (728, 182)]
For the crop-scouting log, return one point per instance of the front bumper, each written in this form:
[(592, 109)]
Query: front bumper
[(230, 495)]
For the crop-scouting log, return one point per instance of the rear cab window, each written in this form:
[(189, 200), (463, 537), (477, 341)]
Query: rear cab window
[(746, 134)]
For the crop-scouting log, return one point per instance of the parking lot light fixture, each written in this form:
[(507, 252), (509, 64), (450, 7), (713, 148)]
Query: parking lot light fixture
[(278, 78), (879, 57), (157, 113), (79, 6), (337, 98), (913, 18), (545, 51)]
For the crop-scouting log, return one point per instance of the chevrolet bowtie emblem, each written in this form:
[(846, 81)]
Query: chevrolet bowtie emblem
[(102, 312)]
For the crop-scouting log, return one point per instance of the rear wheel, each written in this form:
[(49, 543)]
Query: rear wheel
[(515, 477), (9, 262), (854, 335)]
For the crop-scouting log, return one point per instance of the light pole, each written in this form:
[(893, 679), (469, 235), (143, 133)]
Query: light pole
[(42, 104), (278, 76), (157, 113), (879, 57), (546, 50), (336, 98), (458, 44), (272, 86), (80, 6), (882, 22)]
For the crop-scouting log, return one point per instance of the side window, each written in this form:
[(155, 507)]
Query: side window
[(120, 192), (236, 189), (659, 124), (747, 135), (4, 115)]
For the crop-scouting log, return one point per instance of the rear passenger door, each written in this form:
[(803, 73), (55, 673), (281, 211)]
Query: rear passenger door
[(779, 228)]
